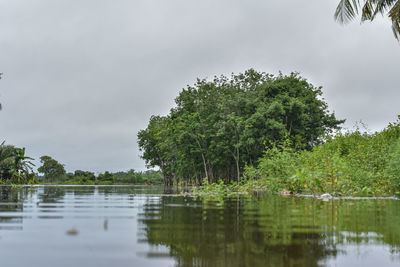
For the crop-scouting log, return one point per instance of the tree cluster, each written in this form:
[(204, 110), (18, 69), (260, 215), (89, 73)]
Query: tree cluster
[(220, 126), (54, 172), (51, 169), (15, 166)]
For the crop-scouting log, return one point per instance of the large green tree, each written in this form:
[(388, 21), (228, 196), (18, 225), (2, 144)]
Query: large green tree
[(52, 170), (220, 126), (347, 10)]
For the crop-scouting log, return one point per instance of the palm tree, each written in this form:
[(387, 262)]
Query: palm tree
[(7, 160), (22, 163), (348, 9), (13, 162)]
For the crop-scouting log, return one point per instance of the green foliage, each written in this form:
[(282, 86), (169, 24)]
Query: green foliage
[(348, 9), (106, 178), (149, 177), (15, 167), (218, 127), (79, 177), (278, 164), (52, 170), (215, 191), (353, 163)]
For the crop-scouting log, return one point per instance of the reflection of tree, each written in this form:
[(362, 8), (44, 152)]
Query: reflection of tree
[(273, 231), (11, 200), (109, 190), (366, 221), (136, 189), (234, 234), (80, 190), (51, 194)]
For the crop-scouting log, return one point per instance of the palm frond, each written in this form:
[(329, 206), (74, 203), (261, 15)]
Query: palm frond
[(367, 11), (394, 14), (381, 6), (346, 10)]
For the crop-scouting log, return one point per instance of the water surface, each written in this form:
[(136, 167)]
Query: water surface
[(148, 226)]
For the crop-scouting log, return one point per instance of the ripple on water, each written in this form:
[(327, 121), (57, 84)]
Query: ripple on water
[(144, 226)]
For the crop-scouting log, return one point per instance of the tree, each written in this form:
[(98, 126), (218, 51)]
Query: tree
[(348, 9), (7, 156), (22, 164), (52, 170), (106, 177), (88, 175), (220, 126), (157, 144), (13, 163)]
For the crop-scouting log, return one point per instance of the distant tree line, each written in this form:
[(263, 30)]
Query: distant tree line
[(54, 172), (219, 127), (15, 167)]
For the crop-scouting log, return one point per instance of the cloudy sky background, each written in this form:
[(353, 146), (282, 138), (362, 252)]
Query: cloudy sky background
[(82, 77)]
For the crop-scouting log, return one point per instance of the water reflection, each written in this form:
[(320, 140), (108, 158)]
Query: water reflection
[(269, 231), (11, 207), (74, 226), (152, 226)]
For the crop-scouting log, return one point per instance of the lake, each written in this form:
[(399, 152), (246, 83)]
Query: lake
[(149, 226)]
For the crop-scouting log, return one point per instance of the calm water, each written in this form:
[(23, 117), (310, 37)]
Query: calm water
[(145, 226)]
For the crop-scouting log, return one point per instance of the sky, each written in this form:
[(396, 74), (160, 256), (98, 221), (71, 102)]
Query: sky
[(81, 78)]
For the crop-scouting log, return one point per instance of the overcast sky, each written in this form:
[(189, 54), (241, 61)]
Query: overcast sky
[(82, 77)]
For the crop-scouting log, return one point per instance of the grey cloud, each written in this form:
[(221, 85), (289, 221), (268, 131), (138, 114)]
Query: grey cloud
[(82, 77)]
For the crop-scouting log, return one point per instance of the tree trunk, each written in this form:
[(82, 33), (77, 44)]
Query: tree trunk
[(210, 172), (237, 165), (204, 159)]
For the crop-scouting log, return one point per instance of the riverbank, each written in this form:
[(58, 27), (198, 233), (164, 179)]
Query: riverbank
[(220, 191), (352, 164)]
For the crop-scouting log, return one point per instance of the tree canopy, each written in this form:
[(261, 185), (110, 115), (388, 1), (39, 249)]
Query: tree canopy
[(347, 10), (220, 126), (51, 168), (14, 164)]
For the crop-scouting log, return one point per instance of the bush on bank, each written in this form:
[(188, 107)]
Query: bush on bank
[(348, 164), (354, 163)]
